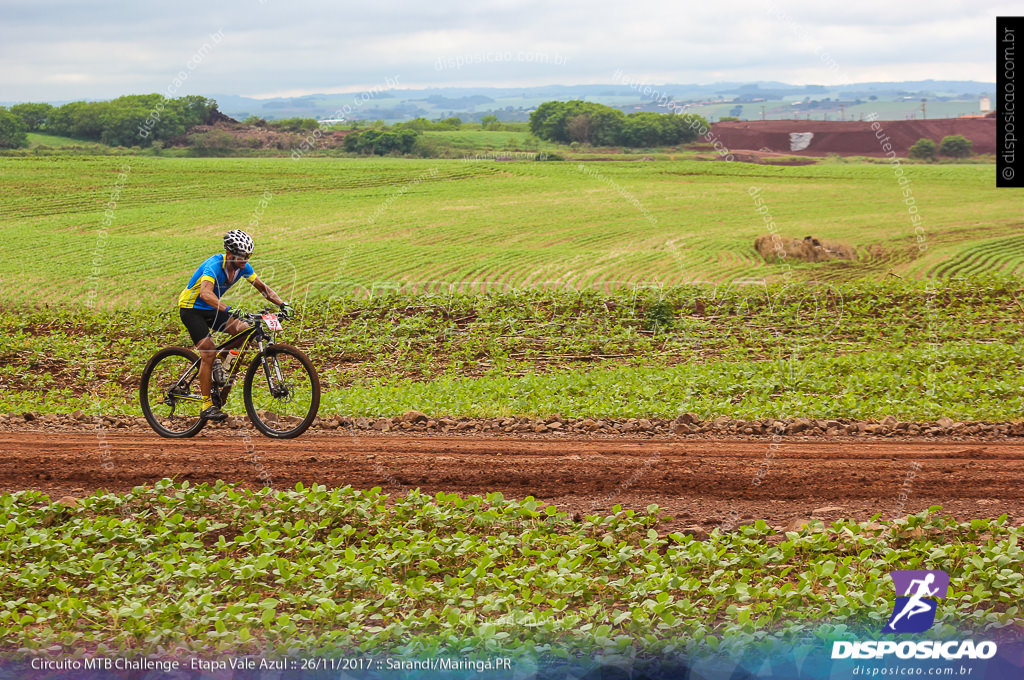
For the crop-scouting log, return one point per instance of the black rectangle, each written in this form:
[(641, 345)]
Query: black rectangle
[(1009, 153)]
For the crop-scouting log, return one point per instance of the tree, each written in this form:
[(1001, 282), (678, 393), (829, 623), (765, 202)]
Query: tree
[(490, 122), (63, 119), (923, 148), (600, 125), (605, 124), (955, 146), (33, 115), (84, 119), (121, 125), (12, 130), (640, 131), (195, 109), (381, 142), (551, 120), (547, 120), (578, 128)]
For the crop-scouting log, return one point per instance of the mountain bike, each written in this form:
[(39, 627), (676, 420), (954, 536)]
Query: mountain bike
[(281, 388)]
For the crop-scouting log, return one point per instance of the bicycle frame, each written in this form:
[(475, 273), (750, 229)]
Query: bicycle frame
[(257, 333)]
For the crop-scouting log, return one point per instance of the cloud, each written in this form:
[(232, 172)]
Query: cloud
[(58, 49)]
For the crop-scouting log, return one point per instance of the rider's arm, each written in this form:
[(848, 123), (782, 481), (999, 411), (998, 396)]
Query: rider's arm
[(209, 297), (265, 291)]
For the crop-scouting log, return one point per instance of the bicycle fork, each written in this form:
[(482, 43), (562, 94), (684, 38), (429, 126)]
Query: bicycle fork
[(276, 381)]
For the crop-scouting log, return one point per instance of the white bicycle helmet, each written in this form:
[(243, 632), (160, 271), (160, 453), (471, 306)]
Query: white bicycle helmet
[(238, 242)]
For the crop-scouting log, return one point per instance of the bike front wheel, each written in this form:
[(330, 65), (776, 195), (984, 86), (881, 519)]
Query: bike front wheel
[(169, 393), (281, 392)]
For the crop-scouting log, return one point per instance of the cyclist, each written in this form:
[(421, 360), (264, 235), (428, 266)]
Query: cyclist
[(201, 309)]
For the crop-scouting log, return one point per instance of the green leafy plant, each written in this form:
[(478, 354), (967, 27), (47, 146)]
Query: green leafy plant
[(213, 568)]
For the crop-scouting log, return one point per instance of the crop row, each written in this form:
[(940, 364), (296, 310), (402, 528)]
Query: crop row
[(161, 186), (516, 223), (1006, 254), (178, 569), (855, 350)]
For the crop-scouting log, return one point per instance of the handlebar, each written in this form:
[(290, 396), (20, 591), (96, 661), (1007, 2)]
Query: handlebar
[(255, 317)]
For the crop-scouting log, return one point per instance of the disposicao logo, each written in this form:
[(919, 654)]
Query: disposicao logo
[(914, 612)]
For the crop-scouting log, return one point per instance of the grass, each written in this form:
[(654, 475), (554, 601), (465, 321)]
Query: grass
[(174, 570), (37, 139), (491, 140), (344, 226), (915, 350)]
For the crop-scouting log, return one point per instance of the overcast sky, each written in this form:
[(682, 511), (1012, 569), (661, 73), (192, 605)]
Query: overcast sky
[(66, 49)]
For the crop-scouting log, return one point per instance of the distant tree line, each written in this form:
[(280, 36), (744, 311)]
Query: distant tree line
[(487, 122), (132, 120), (600, 125), (422, 124), (285, 124), (381, 142)]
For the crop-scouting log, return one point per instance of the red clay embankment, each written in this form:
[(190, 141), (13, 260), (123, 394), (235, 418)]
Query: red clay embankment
[(854, 138)]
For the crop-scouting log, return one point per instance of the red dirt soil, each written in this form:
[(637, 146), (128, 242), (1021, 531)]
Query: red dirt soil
[(701, 483), (853, 137)]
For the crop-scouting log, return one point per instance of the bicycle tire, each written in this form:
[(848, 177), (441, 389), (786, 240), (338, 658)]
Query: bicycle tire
[(153, 418), (265, 425)]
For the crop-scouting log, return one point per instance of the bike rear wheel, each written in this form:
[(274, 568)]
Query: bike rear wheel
[(169, 393), (282, 392)]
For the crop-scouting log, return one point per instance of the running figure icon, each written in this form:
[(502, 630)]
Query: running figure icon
[(914, 604)]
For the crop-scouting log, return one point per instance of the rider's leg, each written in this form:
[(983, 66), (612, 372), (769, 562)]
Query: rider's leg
[(197, 322), (234, 327), (207, 352)]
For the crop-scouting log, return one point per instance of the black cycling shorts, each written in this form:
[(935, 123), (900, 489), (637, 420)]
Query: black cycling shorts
[(200, 321)]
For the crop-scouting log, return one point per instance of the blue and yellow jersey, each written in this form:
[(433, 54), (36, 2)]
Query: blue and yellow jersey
[(215, 271)]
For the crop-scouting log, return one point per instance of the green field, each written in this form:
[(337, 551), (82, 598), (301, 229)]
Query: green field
[(384, 258), (341, 226), (474, 141), (37, 139), (172, 569), (482, 288), (917, 351)]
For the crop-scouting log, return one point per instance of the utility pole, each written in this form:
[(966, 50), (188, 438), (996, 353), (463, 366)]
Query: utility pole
[(762, 112), (842, 112), (924, 115)]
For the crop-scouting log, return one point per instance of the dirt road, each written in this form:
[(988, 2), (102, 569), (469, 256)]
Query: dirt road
[(701, 483)]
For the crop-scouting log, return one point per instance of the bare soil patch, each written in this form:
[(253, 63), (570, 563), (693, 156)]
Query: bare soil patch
[(851, 138), (703, 483)]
